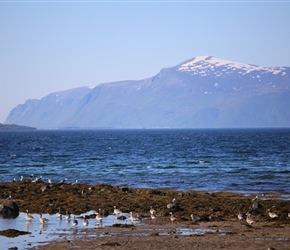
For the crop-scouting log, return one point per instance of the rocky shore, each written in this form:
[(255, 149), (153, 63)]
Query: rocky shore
[(217, 211)]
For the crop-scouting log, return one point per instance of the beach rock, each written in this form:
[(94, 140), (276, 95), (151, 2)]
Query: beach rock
[(8, 209)]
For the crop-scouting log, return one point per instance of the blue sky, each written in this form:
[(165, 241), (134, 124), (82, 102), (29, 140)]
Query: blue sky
[(49, 46)]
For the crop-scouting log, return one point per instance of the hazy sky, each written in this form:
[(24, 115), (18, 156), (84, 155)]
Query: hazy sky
[(48, 46)]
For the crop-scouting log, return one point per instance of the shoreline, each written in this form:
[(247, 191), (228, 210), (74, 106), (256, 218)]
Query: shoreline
[(218, 211)]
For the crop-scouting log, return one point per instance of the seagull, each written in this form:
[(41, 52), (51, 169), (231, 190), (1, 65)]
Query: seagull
[(67, 215), (63, 180), (153, 213), (272, 214), (250, 219), (43, 220), (133, 218), (85, 221), (172, 217), (195, 217), (28, 216), (99, 217), (256, 198), (75, 222), (240, 216), (117, 211), (59, 215), (21, 178), (76, 182)]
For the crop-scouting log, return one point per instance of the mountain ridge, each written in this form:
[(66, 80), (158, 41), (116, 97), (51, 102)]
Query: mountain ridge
[(200, 92)]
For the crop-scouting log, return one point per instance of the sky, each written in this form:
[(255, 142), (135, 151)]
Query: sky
[(49, 46)]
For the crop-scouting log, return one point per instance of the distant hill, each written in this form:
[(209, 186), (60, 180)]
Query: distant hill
[(14, 127), (203, 92)]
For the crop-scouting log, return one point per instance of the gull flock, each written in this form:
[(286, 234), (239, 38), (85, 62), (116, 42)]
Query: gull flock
[(248, 217)]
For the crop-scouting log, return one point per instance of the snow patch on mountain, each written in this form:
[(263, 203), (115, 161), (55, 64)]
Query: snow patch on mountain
[(205, 65)]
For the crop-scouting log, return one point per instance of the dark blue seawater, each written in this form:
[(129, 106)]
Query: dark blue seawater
[(238, 160)]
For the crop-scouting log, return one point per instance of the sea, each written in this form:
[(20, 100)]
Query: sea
[(237, 160)]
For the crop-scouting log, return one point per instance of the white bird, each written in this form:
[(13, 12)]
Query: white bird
[(249, 219), (133, 218), (272, 214), (85, 221), (172, 217), (153, 213), (63, 180), (240, 216), (28, 216), (67, 215), (75, 222), (117, 211), (42, 219), (195, 217), (59, 215), (256, 198), (99, 217)]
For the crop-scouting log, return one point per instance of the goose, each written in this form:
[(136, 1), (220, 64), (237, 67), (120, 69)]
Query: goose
[(28, 216), (75, 222), (42, 219)]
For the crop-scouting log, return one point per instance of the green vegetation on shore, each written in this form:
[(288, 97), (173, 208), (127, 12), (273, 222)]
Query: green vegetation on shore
[(14, 127)]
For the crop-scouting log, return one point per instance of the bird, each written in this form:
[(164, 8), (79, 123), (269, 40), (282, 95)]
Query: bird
[(256, 198), (99, 217), (133, 218), (272, 214), (153, 216), (63, 180), (42, 219), (28, 216), (240, 216), (152, 210), (153, 213), (116, 210), (249, 219), (85, 221), (59, 215), (172, 217), (67, 215), (75, 222), (76, 182), (195, 217)]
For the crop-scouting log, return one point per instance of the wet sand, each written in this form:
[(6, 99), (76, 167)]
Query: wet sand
[(218, 211)]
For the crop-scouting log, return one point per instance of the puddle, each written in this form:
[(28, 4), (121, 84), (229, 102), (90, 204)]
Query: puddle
[(192, 231), (54, 229)]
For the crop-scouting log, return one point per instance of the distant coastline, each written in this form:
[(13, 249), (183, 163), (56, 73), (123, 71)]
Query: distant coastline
[(15, 127)]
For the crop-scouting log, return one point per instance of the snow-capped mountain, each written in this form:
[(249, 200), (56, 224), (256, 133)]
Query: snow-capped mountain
[(203, 92)]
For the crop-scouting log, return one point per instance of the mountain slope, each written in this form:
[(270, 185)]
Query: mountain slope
[(203, 92)]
